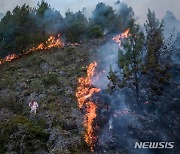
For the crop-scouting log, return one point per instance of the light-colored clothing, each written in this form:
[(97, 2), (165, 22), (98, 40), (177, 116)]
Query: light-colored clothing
[(33, 105)]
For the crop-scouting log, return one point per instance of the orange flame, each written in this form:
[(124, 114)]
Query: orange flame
[(91, 114), (118, 38), (9, 58), (83, 93), (52, 42)]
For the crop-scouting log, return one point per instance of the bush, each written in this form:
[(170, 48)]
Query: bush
[(33, 61), (95, 31), (9, 102), (51, 79), (76, 26), (105, 17), (32, 133)]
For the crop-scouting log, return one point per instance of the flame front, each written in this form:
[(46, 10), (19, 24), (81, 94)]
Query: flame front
[(52, 42), (9, 58), (84, 92), (118, 38)]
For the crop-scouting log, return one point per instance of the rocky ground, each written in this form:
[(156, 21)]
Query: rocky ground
[(49, 77)]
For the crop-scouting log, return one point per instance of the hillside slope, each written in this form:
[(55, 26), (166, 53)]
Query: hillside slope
[(50, 78)]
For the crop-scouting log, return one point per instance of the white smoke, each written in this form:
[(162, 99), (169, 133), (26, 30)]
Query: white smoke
[(107, 56), (140, 7)]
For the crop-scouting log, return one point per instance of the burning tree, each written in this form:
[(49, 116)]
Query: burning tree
[(130, 62), (144, 62)]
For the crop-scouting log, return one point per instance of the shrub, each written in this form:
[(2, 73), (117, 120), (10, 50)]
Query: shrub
[(32, 133), (9, 102), (95, 31), (51, 79)]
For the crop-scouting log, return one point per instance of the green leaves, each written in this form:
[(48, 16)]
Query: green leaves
[(26, 27), (155, 60), (105, 17)]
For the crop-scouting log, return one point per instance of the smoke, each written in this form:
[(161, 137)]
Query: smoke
[(171, 22), (172, 26), (62, 6), (123, 124), (1, 16), (140, 7), (126, 125), (160, 7), (107, 56), (10, 5)]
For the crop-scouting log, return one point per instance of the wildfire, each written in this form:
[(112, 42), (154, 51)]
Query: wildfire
[(118, 38), (52, 42), (84, 92), (9, 58)]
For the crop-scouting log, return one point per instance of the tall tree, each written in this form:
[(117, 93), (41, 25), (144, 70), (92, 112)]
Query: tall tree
[(42, 8), (130, 62), (105, 17), (125, 14), (157, 58), (50, 20), (75, 26), (19, 31), (16, 28)]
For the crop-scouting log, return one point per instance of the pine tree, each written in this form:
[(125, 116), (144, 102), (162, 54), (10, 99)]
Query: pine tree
[(105, 17), (157, 58), (130, 62), (125, 14), (42, 8)]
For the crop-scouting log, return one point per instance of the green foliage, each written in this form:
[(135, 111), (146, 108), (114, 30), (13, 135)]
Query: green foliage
[(130, 62), (48, 19), (9, 102), (42, 7), (32, 133), (75, 26), (143, 61), (18, 31), (154, 30), (95, 31), (105, 17), (125, 14), (51, 79), (26, 27), (156, 61)]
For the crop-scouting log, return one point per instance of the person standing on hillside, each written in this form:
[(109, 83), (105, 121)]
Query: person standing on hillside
[(34, 106)]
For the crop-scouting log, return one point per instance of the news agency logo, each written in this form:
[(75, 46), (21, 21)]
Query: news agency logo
[(154, 145)]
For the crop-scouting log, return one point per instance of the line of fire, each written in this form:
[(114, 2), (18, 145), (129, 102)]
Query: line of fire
[(85, 89), (102, 81), (84, 94)]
